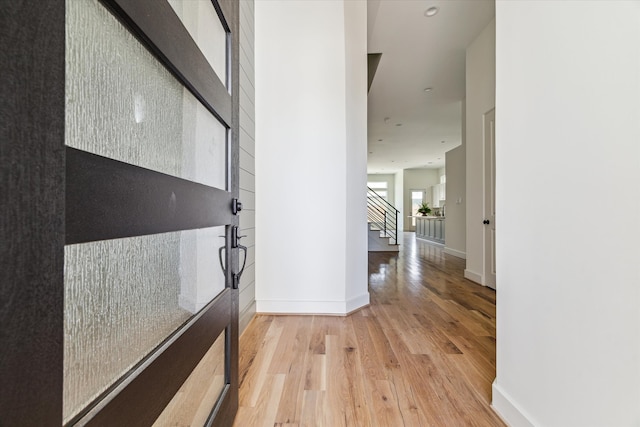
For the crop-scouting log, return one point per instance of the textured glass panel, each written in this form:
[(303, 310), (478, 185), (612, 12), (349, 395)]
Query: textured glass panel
[(123, 104), (203, 24), (123, 297), (193, 403)]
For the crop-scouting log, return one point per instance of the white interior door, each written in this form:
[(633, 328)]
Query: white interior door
[(490, 199)]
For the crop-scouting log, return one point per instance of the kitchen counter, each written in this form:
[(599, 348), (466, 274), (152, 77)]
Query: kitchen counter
[(430, 228)]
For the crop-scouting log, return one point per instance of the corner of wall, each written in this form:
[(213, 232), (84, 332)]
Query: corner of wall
[(355, 39)]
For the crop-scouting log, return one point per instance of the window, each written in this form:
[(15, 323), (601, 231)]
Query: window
[(377, 186), (380, 188)]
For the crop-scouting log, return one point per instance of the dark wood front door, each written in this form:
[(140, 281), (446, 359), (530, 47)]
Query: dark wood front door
[(120, 254)]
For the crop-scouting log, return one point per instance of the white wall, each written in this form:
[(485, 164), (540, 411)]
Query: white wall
[(247, 161), (311, 117), (416, 179), (568, 350), (480, 98), (455, 209)]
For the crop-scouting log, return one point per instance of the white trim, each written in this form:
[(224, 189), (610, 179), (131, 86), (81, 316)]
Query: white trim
[(507, 409), (357, 302), (341, 308), (471, 275), (455, 253)]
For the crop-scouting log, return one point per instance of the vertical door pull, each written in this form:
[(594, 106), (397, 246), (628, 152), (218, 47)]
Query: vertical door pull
[(220, 251), (236, 276), (235, 244)]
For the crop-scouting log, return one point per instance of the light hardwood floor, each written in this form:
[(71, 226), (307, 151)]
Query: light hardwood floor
[(422, 354)]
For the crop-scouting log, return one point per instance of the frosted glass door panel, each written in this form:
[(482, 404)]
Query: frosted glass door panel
[(122, 103), (203, 24), (193, 403), (123, 297)]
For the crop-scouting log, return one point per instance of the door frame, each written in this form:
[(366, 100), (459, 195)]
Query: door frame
[(43, 211)]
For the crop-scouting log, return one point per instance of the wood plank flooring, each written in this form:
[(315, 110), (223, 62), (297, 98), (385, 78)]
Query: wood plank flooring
[(422, 354)]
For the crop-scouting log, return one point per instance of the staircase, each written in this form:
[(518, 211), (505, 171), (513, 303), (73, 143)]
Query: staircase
[(382, 217)]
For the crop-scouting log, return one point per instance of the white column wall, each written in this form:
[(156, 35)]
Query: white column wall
[(311, 242), (568, 314), (355, 30)]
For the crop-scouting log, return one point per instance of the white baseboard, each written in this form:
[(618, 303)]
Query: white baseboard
[(455, 253), (471, 275), (336, 308), (507, 409), (357, 302)]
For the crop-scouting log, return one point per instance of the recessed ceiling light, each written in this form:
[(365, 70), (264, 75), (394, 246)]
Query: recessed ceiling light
[(441, 142), (379, 140), (398, 124), (432, 11), (428, 89)]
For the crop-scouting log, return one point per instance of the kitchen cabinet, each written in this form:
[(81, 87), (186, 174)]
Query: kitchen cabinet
[(430, 228), (438, 193)]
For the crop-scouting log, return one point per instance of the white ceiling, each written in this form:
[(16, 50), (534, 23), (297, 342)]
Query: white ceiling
[(419, 52)]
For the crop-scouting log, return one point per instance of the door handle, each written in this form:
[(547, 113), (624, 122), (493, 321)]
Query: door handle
[(235, 276), (238, 275), (486, 221), (224, 270)]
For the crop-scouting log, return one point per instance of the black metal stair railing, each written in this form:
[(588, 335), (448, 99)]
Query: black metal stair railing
[(382, 215)]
